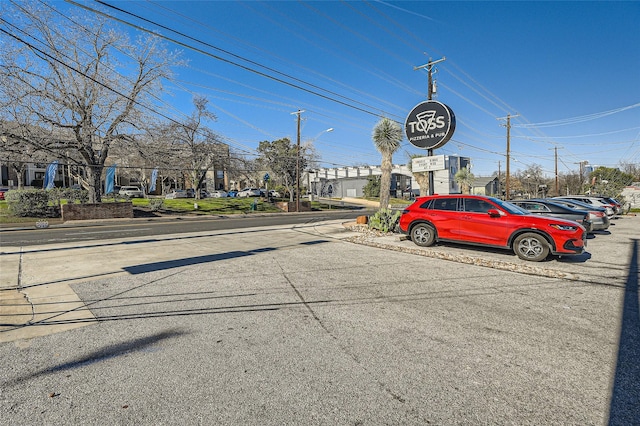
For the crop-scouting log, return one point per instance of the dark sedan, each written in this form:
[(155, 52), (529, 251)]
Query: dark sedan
[(548, 208), (598, 215)]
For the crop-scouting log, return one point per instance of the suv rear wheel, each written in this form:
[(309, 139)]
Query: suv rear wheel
[(423, 235), (531, 246)]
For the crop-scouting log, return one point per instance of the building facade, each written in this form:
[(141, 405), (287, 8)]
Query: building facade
[(350, 181)]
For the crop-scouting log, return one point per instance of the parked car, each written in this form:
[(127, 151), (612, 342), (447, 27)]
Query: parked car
[(274, 194), (549, 208), (218, 194), (488, 221), (598, 215), (232, 193), (594, 201), (191, 193), (176, 193), (617, 205), (249, 192), (2, 191), (131, 192)]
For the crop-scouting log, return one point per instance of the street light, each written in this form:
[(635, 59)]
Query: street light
[(298, 114), (330, 129)]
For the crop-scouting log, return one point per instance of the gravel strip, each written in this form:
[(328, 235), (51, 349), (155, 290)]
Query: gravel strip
[(375, 238)]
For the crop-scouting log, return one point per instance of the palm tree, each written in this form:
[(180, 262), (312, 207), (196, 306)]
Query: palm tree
[(465, 179), (387, 135)]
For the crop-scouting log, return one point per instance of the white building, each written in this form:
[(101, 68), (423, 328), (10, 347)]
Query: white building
[(350, 181)]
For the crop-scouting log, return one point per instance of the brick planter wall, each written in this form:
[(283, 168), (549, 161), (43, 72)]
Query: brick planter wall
[(305, 206), (97, 211)]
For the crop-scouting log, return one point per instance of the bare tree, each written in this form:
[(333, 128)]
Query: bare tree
[(194, 146), (632, 169), (64, 76)]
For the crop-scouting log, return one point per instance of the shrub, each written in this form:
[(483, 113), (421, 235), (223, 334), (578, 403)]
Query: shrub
[(74, 195), (372, 188), (385, 220), (156, 204), (28, 202)]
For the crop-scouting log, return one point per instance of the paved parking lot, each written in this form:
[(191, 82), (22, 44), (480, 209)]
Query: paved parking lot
[(603, 260), (290, 326)]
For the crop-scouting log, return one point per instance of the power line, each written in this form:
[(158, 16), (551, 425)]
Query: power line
[(230, 62)]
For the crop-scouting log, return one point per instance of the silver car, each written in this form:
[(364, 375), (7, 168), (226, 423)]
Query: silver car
[(598, 215), (594, 201)]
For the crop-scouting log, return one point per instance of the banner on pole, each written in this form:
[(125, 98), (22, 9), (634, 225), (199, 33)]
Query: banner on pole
[(154, 177), (110, 179), (50, 175)]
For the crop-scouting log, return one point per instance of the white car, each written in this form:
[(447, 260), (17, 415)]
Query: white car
[(131, 192), (274, 194), (218, 194), (249, 192)]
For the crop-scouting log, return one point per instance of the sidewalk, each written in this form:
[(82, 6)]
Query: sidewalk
[(36, 298)]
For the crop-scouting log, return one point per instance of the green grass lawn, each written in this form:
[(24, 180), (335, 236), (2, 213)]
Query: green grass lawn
[(207, 206)]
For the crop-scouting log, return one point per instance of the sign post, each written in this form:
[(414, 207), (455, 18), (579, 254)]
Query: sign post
[(266, 185)]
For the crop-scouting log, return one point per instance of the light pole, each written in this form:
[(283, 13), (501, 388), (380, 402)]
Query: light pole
[(330, 129)]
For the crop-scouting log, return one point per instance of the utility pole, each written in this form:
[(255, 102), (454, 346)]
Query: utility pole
[(429, 66), (556, 161), (507, 194), (499, 180), (298, 113)]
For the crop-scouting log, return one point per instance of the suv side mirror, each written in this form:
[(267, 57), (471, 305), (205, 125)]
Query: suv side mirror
[(493, 213)]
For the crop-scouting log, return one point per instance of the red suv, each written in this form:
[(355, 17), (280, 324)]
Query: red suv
[(488, 221)]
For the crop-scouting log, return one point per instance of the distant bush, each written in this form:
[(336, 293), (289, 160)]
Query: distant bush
[(73, 195), (372, 188)]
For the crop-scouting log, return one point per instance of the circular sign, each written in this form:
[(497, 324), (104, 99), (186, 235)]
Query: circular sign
[(430, 125)]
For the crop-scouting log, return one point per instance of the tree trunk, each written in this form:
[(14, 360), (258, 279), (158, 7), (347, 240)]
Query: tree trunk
[(385, 180), (94, 175), (423, 182)]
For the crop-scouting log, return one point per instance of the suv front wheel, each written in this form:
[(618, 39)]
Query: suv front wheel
[(531, 246), (423, 235)]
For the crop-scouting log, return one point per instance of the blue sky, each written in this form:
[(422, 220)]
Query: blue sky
[(570, 71)]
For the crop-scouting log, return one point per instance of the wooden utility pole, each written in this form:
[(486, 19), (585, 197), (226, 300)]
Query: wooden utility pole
[(556, 158), (429, 66), (507, 194), (298, 113), (499, 180)]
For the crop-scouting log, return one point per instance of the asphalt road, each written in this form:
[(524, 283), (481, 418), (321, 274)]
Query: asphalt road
[(296, 325), (77, 231)]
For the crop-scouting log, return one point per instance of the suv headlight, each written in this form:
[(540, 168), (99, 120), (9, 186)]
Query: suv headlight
[(563, 227)]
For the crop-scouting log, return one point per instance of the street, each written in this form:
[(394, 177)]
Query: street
[(292, 325), (27, 234)]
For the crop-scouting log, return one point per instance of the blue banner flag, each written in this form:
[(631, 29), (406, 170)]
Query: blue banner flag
[(154, 177), (50, 175), (110, 180)]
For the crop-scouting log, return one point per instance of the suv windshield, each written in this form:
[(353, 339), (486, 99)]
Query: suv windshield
[(511, 208)]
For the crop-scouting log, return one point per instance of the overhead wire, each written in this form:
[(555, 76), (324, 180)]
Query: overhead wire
[(444, 85)]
